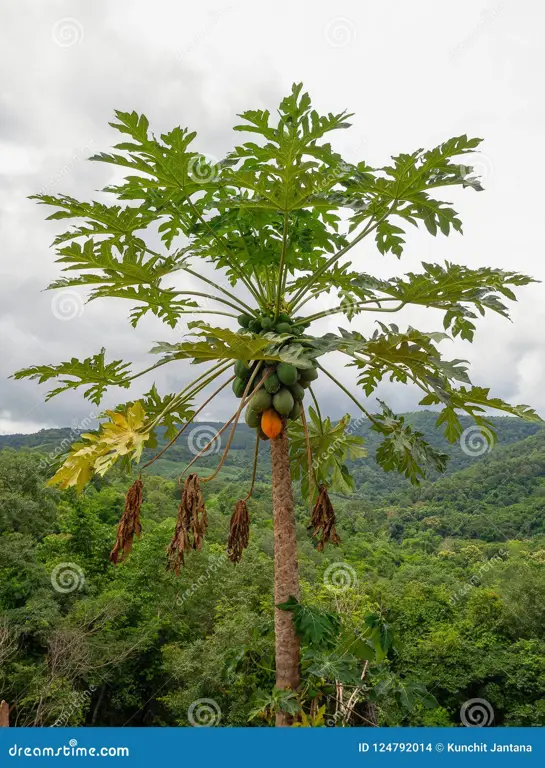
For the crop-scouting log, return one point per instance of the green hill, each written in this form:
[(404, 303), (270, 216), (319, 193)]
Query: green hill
[(454, 569), (371, 480)]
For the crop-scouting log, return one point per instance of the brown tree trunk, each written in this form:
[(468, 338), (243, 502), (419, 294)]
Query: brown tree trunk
[(286, 571), (4, 715)]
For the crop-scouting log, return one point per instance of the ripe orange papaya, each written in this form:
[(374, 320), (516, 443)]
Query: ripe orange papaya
[(271, 423)]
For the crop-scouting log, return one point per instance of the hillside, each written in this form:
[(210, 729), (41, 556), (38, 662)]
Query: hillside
[(452, 569), (371, 480)]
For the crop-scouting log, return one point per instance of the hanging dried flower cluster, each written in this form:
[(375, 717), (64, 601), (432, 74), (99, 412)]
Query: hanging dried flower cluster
[(239, 532), (129, 525), (191, 524), (323, 520)]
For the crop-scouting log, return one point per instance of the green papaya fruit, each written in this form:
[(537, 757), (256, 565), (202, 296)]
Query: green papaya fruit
[(242, 370), (283, 318), (255, 326), (267, 323), (283, 401), (308, 374), (297, 391), (272, 383), (253, 419), (282, 328), (295, 411), (287, 373), (260, 401), (244, 320), (239, 385)]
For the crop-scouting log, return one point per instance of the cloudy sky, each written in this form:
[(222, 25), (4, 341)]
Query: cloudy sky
[(414, 73)]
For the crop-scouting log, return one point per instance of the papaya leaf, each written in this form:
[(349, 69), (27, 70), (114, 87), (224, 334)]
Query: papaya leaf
[(314, 627), (403, 448), (331, 446), (124, 435), (217, 344), (92, 371)]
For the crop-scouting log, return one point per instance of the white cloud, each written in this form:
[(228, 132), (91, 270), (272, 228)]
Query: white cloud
[(414, 73)]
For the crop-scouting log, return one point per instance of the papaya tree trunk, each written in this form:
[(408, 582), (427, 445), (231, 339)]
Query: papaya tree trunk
[(286, 571), (4, 714)]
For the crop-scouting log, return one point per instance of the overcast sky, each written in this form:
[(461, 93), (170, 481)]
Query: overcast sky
[(414, 73)]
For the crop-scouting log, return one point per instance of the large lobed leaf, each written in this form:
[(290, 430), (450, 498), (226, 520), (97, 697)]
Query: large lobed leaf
[(124, 435), (92, 371), (332, 445)]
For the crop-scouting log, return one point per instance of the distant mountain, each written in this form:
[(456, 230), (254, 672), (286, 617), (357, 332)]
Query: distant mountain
[(371, 481)]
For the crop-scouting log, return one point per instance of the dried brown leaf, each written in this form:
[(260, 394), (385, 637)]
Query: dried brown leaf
[(239, 532), (129, 525)]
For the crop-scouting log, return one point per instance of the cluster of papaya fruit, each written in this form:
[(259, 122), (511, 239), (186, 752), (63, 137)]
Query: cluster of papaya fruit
[(267, 324), (281, 395)]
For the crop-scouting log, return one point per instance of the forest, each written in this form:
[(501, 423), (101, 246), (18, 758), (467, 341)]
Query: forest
[(435, 595)]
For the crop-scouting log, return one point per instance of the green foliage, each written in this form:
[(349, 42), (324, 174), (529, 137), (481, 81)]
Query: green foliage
[(331, 446), (446, 611), (403, 448), (93, 370), (277, 217), (313, 627)]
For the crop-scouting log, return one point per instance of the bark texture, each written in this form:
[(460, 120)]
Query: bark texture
[(4, 715), (286, 571)]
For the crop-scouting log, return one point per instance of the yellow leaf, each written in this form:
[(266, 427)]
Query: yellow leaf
[(121, 436)]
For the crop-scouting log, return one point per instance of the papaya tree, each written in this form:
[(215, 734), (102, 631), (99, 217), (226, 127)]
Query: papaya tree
[(260, 243)]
